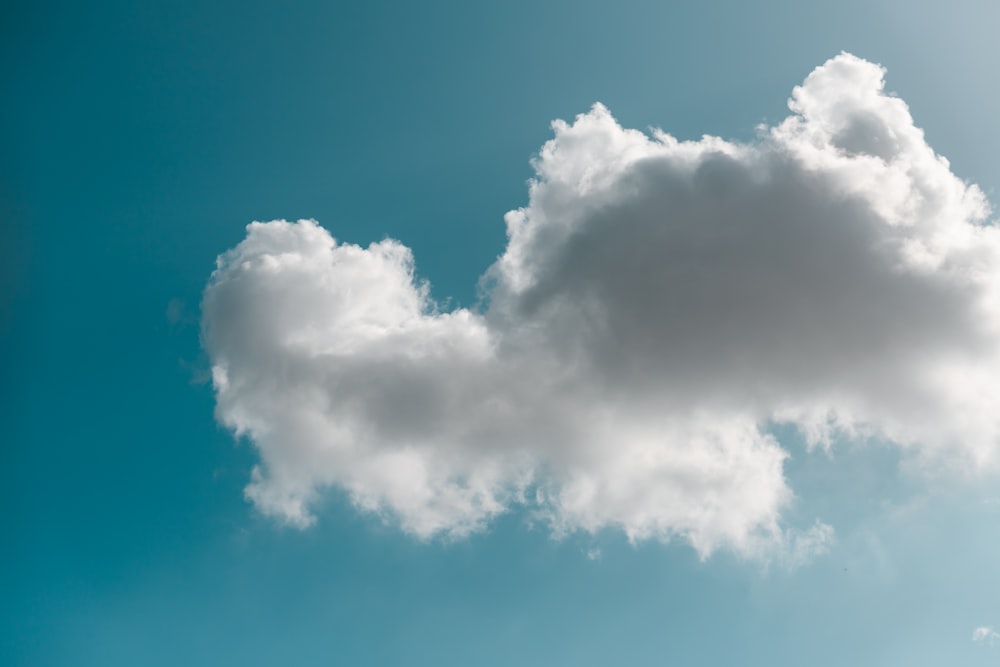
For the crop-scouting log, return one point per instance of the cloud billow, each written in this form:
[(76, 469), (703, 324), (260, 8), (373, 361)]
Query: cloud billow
[(658, 305)]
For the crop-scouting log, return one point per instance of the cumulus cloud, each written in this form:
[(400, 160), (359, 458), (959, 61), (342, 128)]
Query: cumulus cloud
[(660, 304)]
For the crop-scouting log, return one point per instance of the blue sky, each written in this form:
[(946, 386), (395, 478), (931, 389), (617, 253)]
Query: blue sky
[(139, 140)]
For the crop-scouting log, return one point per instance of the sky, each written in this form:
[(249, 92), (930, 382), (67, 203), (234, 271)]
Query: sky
[(565, 333)]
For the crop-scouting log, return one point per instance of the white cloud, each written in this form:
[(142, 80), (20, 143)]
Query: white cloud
[(985, 634), (659, 303)]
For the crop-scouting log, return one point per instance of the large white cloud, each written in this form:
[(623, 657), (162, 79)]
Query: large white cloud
[(658, 306)]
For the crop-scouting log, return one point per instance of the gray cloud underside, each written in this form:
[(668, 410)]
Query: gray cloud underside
[(659, 303)]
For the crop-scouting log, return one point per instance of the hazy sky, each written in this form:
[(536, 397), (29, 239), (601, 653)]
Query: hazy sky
[(595, 334)]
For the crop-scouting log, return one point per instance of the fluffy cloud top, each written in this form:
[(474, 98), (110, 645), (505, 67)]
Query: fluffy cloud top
[(659, 304)]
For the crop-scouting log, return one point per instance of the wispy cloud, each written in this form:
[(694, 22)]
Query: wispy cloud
[(657, 304), (985, 634)]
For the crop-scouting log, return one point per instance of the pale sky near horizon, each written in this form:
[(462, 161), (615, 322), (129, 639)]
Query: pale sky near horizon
[(724, 402)]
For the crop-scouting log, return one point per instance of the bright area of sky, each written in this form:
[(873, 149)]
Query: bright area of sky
[(139, 139)]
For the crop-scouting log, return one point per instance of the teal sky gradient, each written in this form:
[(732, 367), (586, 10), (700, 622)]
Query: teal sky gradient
[(137, 141)]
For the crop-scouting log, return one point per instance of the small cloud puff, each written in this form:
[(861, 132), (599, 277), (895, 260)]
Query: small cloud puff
[(658, 304), (985, 634)]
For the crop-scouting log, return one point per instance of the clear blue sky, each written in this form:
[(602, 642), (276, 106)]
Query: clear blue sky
[(138, 140)]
